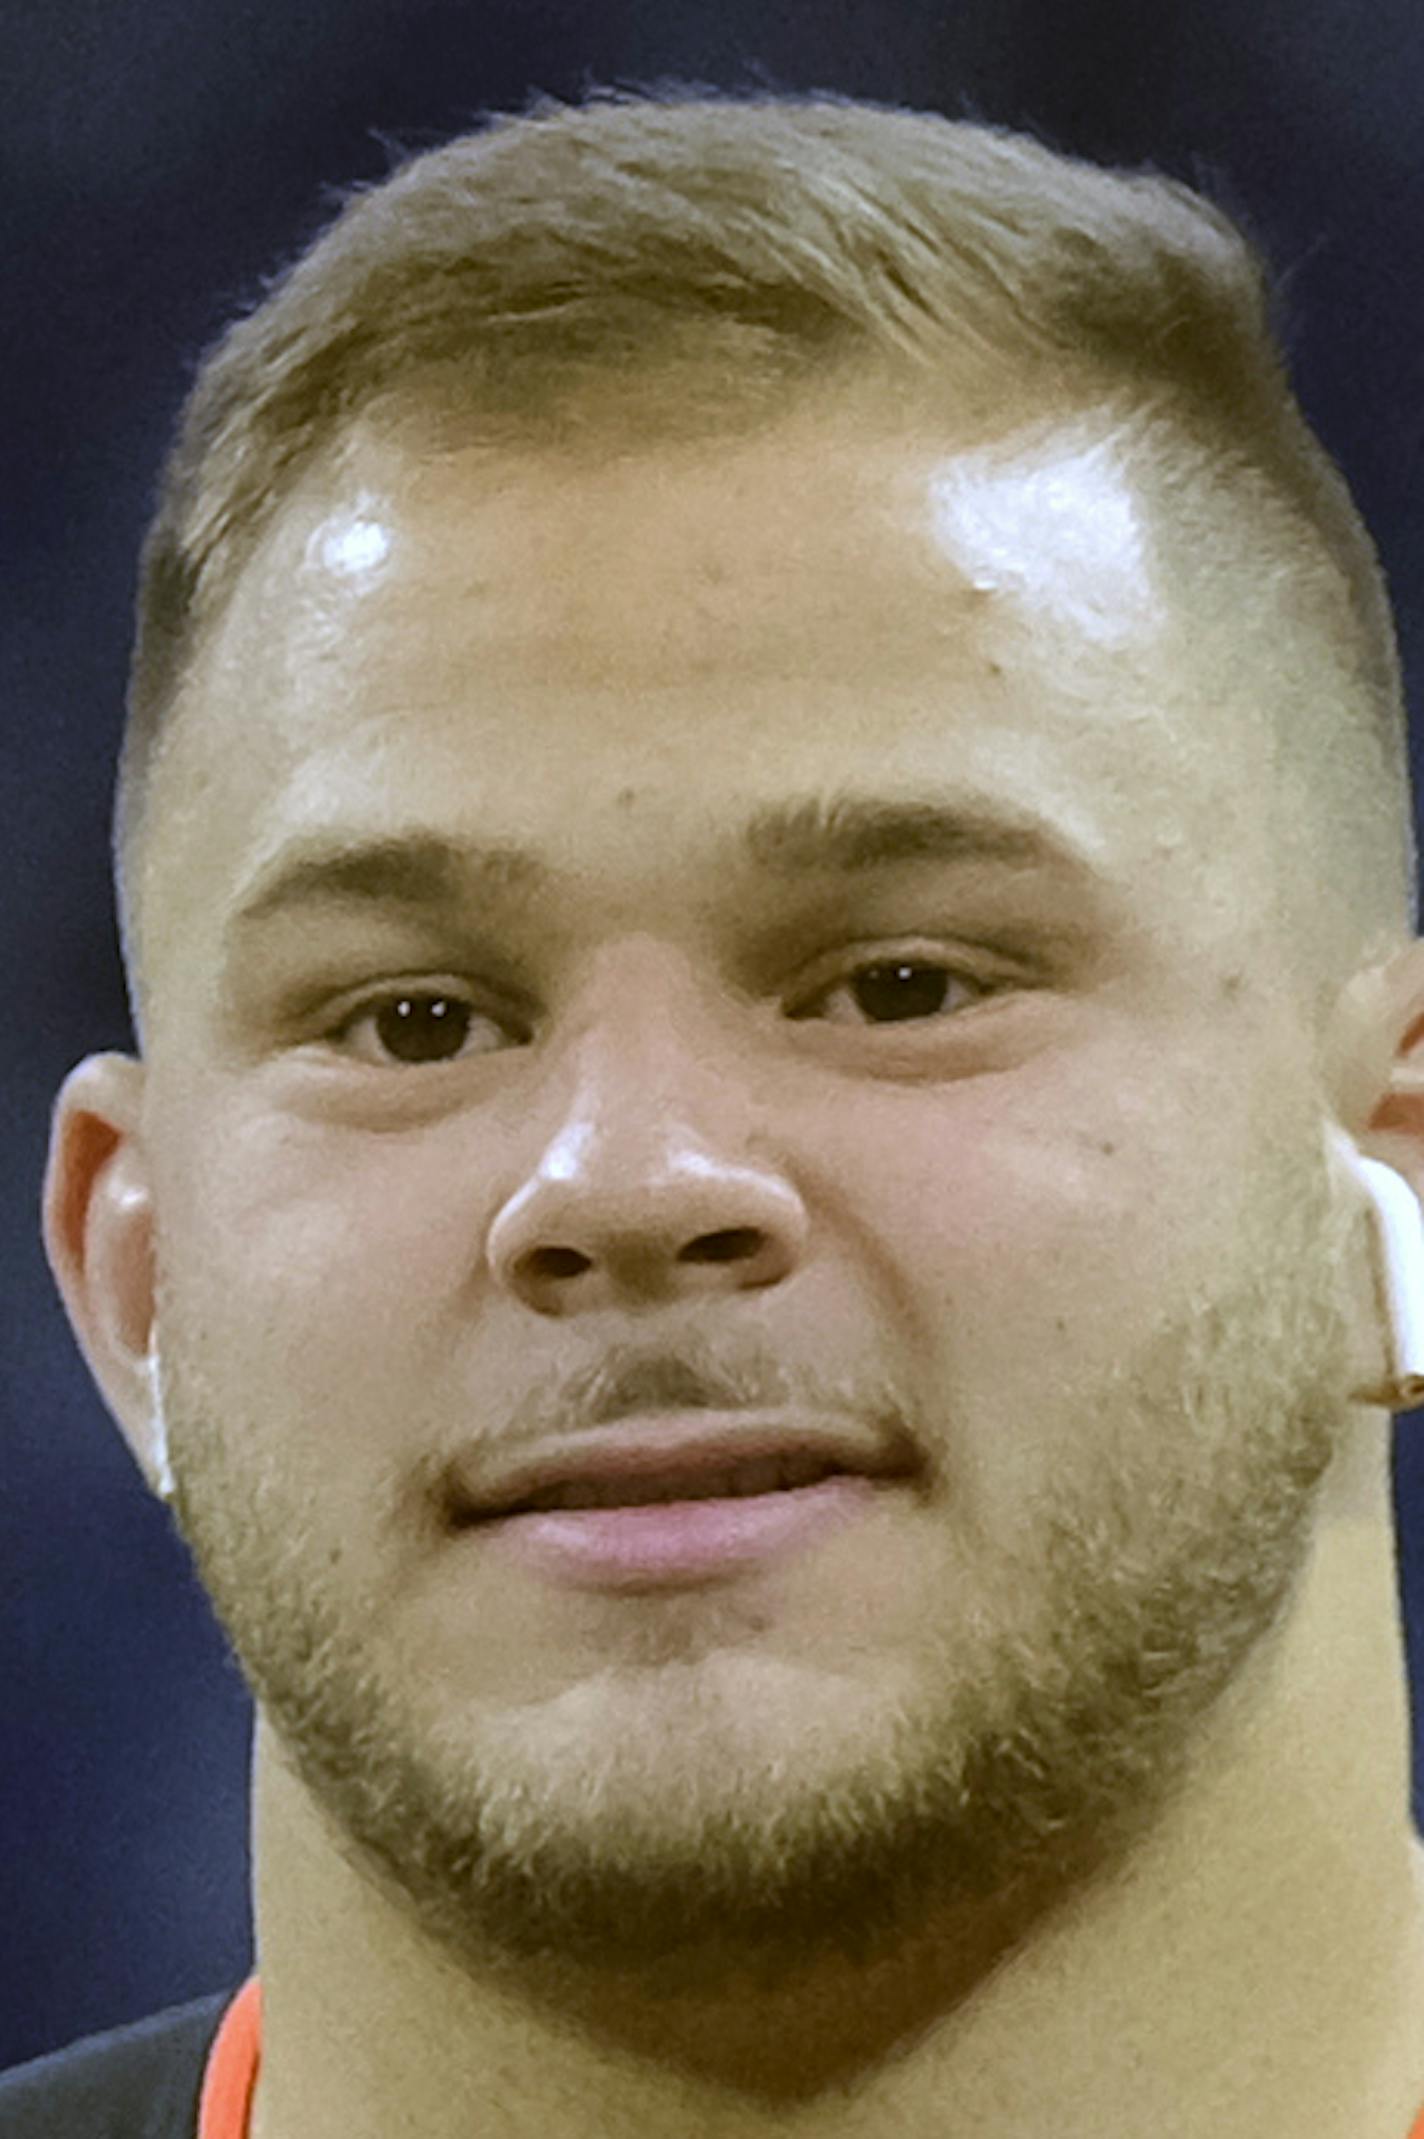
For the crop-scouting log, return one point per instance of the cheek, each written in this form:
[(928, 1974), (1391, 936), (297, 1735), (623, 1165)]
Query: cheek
[(1044, 1238), (1020, 1192), (312, 1267)]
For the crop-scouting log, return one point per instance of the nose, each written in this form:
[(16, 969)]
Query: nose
[(598, 1225), (647, 1190)]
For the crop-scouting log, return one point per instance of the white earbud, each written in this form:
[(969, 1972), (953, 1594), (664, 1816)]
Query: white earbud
[(1399, 1271), (164, 1480)]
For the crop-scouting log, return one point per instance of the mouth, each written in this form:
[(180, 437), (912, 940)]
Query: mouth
[(742, 1481), (678, 1456), (683, 1498), (678, 1504)]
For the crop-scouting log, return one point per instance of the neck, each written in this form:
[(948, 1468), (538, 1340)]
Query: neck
[(1255, 1967)]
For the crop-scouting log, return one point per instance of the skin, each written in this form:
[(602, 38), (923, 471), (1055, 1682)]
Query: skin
[(1066, 1790)]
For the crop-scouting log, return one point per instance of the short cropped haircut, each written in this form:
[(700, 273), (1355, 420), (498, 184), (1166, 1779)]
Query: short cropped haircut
[(746, 247)]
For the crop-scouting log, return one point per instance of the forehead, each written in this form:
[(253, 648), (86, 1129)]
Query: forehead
[(511, 641)]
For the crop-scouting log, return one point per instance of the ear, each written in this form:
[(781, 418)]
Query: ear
[(1375, 1075), (1381, 1059), (98, 1236)]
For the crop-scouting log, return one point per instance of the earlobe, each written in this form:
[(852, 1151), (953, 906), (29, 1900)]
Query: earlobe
[(98, 1234)]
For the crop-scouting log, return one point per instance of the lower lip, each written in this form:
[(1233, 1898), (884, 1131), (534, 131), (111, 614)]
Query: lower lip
[(677, 1541)]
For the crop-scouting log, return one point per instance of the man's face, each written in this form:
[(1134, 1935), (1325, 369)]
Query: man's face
[(1010, 1151)]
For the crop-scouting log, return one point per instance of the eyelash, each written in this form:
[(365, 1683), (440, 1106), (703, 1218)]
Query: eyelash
[(370, 1007)]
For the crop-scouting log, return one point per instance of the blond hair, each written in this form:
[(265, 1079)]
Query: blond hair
[(759, 243)]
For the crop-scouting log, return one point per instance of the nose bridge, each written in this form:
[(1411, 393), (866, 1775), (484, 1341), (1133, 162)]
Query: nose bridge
[(645, 1185)]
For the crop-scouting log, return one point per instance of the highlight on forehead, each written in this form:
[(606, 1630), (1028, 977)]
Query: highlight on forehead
[(353, 543), (1056, 524)]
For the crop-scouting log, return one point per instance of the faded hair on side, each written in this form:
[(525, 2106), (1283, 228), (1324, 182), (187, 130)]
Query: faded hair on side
[(746, 247)]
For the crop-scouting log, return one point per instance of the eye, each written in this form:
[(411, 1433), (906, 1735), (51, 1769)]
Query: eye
[(417, 1026), (902, 990)]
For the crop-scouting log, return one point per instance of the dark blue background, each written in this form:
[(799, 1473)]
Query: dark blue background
[(158, 157)]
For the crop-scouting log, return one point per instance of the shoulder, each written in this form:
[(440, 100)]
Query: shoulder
[(137, 2082)]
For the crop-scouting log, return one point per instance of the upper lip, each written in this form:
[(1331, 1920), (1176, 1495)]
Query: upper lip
[(682, 1447)]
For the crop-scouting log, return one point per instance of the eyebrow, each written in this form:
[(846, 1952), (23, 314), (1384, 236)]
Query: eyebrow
[(812, 836)]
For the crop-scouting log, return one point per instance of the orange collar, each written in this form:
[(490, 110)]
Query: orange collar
[(231, 2074)]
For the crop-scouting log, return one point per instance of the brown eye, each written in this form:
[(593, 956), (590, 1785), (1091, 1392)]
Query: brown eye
[(888, 993), (901, 990), (416, 1029)]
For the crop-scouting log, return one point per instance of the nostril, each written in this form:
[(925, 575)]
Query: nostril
[(731, 1244), (723, 1247), (557, 1262)]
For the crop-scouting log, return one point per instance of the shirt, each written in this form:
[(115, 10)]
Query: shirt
[(142, 2081)]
